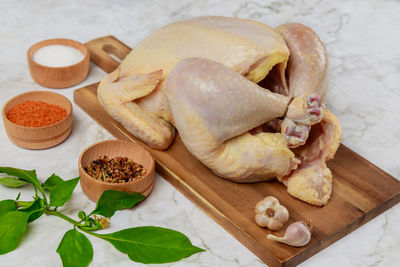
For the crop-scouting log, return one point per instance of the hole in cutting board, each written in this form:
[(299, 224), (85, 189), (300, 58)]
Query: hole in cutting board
[(114, 57), (112, 52)]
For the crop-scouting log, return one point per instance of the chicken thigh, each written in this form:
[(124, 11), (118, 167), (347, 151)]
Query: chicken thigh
[(214, 107)]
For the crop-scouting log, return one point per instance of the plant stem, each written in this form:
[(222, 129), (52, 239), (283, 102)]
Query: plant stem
[(91, 233), (37, 186), (43, 193), (37, 210), (62, 216), (36, 191)]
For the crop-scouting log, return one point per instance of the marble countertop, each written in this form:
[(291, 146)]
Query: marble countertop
[(362, 39)]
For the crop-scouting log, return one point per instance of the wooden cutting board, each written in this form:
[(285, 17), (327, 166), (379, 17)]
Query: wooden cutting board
[(361, 191)]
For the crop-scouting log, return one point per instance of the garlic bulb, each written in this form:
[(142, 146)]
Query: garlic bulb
[(270, 214), (298, 234)]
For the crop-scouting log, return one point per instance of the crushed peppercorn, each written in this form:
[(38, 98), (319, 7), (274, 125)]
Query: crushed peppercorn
[(115, 170)]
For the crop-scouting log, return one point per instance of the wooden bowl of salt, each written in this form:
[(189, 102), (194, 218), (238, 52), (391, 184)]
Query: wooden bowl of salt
[(93, 188), (58, 63), (37, 119)]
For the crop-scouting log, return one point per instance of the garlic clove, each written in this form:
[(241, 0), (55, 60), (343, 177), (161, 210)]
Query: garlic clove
[(266, 203), (262, 220), (298, 234), (274, 225), (282, 214)]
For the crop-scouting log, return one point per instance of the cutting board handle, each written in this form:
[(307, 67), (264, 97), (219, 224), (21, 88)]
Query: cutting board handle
[(104, 50)]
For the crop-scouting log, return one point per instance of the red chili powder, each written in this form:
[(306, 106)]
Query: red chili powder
[(36, 114)]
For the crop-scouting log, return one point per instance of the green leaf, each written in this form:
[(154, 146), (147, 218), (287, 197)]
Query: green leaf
[(12, 227), (7, 205), (51, 182), (11, 182), (111, 201), (27, 176), (62, 192), (36, 205), (75, 249), (148, 244)]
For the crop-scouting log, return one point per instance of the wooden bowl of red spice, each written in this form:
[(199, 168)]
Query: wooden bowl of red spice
[(37, 119), (116, 165)]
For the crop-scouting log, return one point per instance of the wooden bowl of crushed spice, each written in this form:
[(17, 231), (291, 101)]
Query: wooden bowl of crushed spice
[(38, 119), (117, 165)]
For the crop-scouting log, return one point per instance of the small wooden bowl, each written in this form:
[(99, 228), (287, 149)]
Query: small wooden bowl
[(116, 148), (58, 77), (38, 137)]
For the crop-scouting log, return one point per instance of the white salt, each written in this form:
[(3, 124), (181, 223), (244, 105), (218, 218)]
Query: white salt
[(57, 56)]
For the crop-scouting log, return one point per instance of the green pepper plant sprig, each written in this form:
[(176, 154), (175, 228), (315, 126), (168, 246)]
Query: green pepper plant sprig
[(145, 244)]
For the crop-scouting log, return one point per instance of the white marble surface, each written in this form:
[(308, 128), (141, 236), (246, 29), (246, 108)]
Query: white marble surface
[(363, 40)]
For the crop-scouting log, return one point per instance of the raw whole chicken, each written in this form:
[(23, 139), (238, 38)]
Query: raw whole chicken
[(200, 77)]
